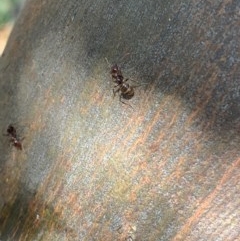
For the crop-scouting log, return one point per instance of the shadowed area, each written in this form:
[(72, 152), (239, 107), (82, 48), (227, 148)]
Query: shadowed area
[(93, 168)]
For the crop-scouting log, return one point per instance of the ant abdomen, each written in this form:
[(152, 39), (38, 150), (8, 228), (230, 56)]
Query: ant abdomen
[(126, 91)]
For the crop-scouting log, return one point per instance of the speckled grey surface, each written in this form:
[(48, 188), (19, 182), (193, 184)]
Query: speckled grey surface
[(95, 169)]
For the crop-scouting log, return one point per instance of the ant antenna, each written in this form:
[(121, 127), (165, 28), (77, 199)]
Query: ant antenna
[(120, 60)]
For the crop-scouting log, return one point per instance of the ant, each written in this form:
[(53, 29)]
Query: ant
[(14, 139), (127, 91)]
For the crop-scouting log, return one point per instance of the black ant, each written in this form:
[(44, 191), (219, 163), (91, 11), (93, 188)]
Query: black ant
[(127, 91), (14, 139)]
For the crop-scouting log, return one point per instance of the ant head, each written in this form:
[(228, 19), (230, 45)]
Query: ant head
[(10, 129), (114, 69)]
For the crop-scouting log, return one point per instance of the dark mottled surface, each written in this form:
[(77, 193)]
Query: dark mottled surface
[(92, 168)]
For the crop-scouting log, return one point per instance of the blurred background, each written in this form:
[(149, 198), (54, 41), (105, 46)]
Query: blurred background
[(9, 10)]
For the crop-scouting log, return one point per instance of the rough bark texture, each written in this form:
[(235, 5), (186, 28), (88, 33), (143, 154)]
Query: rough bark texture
[(93, 168)]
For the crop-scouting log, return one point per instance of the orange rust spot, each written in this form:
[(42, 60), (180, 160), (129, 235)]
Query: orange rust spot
[(97, 98), (58, 208), (173, 120), (177, 173), (145, 180), (148, 130), (154, 147), (77, 210), (133, 196), (58, 187), (62, 99), (97, 208), (142, 138), (72, 198), (139, 168), (206, 203), (143, 165), (128, 214)]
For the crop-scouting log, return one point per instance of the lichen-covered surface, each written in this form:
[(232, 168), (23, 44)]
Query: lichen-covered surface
[(165, 168)]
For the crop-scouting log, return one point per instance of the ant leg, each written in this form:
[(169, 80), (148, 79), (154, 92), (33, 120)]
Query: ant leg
[(120, 99), (133, 80), (123, 57), (115, 91), (107, 61), (135, 86)]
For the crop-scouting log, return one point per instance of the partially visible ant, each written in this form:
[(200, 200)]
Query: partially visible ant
[(14, 139), (127, 91)]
